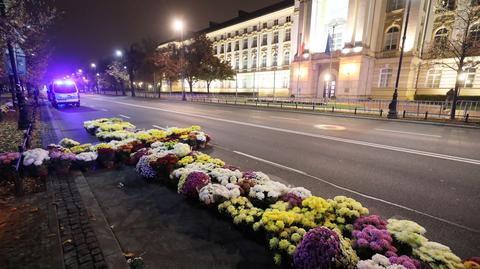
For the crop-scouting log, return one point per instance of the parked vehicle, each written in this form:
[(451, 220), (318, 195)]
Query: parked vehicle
[(63, 92)]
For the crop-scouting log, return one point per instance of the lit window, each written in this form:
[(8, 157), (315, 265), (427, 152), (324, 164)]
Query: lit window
[(385, 77), (441, 38), (469, 77), (337, 37), (391, 38), (475, 33), (286, 58), (433, 78), (395, 5)]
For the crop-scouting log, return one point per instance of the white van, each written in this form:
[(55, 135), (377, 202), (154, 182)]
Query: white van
[(64, 92)]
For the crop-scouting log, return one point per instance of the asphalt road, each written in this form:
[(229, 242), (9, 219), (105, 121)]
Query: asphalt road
[(429, 174)]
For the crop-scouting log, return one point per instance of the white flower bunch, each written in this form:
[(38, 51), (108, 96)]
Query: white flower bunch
[(143, 168), (181, 150), (157, 144), (225, 176), (201, 136), (178, 173), (86, 156), (68, 143), (378, 262), (438, 256), (202, 167), (214, 193), (407, 232), (270, 189), (260, 178), (300, 192), (35, 156)]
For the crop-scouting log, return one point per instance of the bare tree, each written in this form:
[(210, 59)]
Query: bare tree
[(166, 65), (457, 40), (119, 73)]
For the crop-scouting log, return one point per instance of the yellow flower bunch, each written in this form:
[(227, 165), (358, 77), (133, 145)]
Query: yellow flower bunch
[(315, 211), (275, 219), (157, 134), (103, 146), (205, 158), (241, 210), (286, 242), (144, 136), (81, 148), (345, 210), (186, 160)]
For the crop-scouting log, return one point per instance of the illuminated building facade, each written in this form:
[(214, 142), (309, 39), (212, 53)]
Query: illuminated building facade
[(338, 48)]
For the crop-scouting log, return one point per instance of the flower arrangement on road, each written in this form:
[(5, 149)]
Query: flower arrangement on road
[(302, 230), (36, 162)]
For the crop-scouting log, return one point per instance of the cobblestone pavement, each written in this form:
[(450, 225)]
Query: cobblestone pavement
[(28, 237), (80, 245)]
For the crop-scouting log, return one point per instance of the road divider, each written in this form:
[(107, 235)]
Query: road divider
[(325, 137)]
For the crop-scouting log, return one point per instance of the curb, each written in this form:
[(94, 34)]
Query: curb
[(107, 241)]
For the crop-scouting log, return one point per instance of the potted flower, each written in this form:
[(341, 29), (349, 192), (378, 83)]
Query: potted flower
[(68, 143), (192, 183), (85, 161), (164, 164), (135, 157), (35, 162), (8, 160), (106, 155), (123, 152), (61, 161)]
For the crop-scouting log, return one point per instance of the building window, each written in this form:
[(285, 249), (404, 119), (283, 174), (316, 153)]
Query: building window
[(237, 45), (288, 35), (433, 78), (395, 5), (275, 37), (447, 4), (337, 37), (236, 32), (275, 22), (288, 19), (245, 30), (441, 38), (254, 60), (391, 38), (274, 59), (228, 35), (469, 76), (475, 2), (385, 77), (265, 25), (254, 41), (245, 44), (286, 58), (222, 48), (264, 60), (264, 40), (244, 63), (255, 28), (475, 34), (229, 47), (237, 63)]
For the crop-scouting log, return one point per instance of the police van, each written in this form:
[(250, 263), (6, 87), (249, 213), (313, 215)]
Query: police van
[(63, 92)]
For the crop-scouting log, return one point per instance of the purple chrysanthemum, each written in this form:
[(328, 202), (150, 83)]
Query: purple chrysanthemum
[(370, 240), (319, 248), (194, 182), (292, 199), (373, 220), (406, 261)]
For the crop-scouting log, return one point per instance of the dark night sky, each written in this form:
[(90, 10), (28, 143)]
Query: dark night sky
[(91, 29)]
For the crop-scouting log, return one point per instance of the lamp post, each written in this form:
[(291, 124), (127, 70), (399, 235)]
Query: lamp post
[(392, 107), (179, 26), (94, 68)]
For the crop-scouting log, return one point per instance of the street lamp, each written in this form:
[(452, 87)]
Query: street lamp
[(178, 25), (80, 71), (392, 107), (119, 53), (93, 65)]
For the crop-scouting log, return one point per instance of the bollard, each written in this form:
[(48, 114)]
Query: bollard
[(426, 114), (296, 105), (466, 117), (333, 109), (355, 111), (381, 112), (404, 112)]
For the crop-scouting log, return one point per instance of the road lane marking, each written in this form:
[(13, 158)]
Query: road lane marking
[(123, 116), (357, 192), (326, 137), (282, 118), (330, 127), (408, 133), (159, 127), (103, 109)]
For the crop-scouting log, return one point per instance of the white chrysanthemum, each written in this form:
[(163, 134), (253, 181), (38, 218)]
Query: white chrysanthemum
[(378, 262), (270, 189), (181, 150), (301, 192), (233, 190), (213, 193), (201, 136), (35, 156), (202, 167), (225, 176), (157, 144), (86, 156)]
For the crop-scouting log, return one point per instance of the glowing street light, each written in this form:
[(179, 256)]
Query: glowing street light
[(179, 25), (119, 53), (80, 71), (93, 65)]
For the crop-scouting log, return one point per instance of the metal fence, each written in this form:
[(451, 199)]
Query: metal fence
[(467, 111)]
